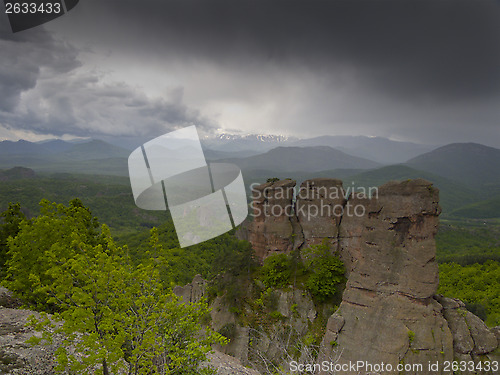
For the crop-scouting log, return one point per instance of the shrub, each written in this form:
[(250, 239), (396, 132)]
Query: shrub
[(272, 180), (327, 273), (276, 271)]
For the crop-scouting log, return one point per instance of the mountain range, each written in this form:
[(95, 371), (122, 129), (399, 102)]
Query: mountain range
[(471, 163), (311, 159), (468, 174), (378, 149), (381, 150)]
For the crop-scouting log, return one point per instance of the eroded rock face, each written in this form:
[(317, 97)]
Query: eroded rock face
[(388, 312), (274, 227), (192, 292), (319, 206), (391, 247), (470, 335)]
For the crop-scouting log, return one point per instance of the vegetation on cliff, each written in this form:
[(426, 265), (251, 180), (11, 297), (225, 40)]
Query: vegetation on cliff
[(319, 271)]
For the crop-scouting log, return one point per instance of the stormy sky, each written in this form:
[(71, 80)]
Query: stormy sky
[(413, 70)]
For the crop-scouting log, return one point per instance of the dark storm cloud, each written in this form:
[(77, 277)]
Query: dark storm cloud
[(444, 49), (22, 58), (42, 90), (82, 105), (411, 69)]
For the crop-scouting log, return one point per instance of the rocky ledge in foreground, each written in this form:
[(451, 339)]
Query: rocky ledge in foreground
[(19, 358)]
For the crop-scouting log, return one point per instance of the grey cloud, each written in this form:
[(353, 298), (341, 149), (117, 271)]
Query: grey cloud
[(43, 90), (401, 48), (23, 56), (81, 105), (414, 69)]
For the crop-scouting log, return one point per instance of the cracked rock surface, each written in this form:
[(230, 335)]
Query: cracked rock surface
[(389, 312)]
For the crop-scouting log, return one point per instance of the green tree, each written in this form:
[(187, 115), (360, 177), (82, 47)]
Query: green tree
[(50, 239), (223, 254), (276, 270), (327, 272), (11, 219), (113, 315), (119, 317)]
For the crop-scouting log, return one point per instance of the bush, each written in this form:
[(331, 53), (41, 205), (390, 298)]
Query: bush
[(276, 271), (272, 180), (327, 273), (276, 315)]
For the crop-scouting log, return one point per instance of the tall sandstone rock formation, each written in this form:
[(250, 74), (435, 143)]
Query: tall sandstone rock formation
[(389, 312)]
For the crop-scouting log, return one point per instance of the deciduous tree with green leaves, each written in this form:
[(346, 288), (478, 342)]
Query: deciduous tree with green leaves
[(327, 271), (114, 317), (46, 241)]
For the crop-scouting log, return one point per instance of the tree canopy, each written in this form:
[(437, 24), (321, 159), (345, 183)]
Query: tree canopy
[(115, 315)]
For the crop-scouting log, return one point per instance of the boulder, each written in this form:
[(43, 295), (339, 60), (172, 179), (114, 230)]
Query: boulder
[(470, 334), (17, 357)]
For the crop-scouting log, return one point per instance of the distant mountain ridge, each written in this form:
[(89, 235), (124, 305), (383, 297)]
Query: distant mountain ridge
[(246, 143), (468, 174), (379, 149), (310, 159), (472, 164), (93, 156), (56, 145), (95, 149), (22, 147), (92, 149)]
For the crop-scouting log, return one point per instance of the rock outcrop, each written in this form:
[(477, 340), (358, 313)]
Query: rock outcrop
[(319, 209), (388, 301), (389, 312), (7, 299), (471, 337), (17, 357), (274, 228), (192, 292)]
